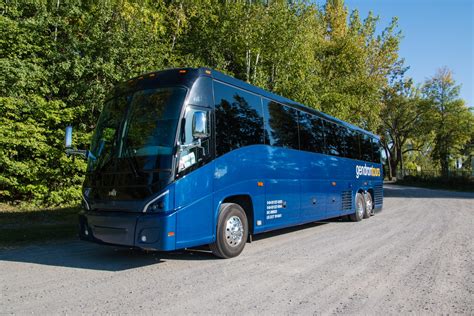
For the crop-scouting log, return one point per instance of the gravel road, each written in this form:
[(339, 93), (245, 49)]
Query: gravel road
[(416, 256)]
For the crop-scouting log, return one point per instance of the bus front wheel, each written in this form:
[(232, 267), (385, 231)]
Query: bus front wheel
[(359, 209), (232, 231)]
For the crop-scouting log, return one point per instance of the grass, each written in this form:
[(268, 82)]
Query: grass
[(20, 225)]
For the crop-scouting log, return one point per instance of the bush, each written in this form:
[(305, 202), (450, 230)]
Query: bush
[(463, 183), (33, 166)]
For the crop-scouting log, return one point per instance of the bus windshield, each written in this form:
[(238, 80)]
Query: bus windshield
[(138, 128)]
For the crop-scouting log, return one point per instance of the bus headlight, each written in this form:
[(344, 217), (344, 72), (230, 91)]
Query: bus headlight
[(158, 204), (156, 207)]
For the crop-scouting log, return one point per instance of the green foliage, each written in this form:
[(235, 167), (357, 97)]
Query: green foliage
[(300, 51), (453, 122), (32, 161), (454, 183), (60, 58), (404, 119), (355, 63), (430, 127)]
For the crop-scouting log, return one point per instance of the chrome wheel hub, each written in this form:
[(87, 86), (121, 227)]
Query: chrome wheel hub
[(368, 205), (360, 209), (234, 231)]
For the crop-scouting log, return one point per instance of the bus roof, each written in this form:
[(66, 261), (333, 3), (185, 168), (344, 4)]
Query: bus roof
[(203, 71)]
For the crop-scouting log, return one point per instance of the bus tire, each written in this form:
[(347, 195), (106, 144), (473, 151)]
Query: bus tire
[(232, 231), (369, 205), (359, 208)]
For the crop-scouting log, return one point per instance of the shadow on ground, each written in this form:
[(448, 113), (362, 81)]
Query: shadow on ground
[(84, 255), (295, 228)]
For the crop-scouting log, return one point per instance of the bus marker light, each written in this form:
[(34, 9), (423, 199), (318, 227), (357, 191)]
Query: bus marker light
[(260, 184), (143, 238), (152, 75), (208, 72), (182, 71), (170, 234), (259, 223), (333, 183)]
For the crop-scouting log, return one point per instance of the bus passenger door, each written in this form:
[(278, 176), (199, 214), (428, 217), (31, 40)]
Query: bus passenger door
[(193, 190)]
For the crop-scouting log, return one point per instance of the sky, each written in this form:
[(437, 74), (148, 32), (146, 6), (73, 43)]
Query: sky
[(436, 33)]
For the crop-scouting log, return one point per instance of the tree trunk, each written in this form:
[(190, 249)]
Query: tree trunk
[(247, 59), (400, 159), (445, 166), (255, 68), (393, 167)]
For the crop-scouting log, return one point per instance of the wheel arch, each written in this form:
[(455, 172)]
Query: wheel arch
[(244, 201), (362, 191)]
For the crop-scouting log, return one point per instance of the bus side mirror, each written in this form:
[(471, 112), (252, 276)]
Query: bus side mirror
[(200, 126), (68, 139), (68, 142)]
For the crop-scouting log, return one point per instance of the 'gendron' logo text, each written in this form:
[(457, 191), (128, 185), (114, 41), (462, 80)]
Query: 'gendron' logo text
[(367, 171)]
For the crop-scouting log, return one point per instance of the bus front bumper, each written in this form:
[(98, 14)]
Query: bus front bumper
[(146, 231)]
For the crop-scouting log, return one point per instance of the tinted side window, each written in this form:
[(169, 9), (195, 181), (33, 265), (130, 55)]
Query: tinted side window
[(195, 156), (353, 144), (311, 133), (332, 139), (376, 150), (365, 147), (343, 141), (201, 93), (281, 125), (239, 120)]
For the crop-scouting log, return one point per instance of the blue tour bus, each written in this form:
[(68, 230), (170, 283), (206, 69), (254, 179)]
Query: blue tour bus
[(187, 157)]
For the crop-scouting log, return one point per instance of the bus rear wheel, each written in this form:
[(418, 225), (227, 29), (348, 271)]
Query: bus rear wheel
[(232, 231), (359, 209), (369, 206)]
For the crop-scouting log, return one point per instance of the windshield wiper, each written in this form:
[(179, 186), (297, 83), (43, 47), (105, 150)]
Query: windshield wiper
[(103, 158), (102, 163), (131, 159)]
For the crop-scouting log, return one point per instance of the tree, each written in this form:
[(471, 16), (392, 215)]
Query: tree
[(403, 118), (355, 63), (452, 120), (33, 167), (61, 58)]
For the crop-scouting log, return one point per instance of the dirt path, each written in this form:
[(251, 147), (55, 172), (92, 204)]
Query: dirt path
[(415, 256)]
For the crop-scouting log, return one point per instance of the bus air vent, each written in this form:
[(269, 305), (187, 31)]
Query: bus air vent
[(346, 200), (378, 194)]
